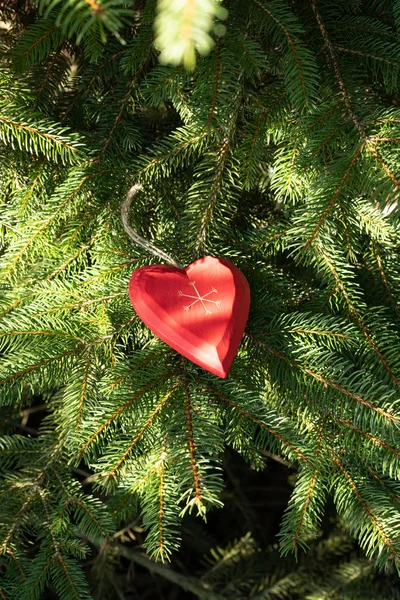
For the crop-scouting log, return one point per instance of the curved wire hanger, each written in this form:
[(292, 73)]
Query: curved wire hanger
[(138, 239)]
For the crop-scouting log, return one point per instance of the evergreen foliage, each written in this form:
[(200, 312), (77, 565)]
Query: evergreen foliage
[(278, 152)]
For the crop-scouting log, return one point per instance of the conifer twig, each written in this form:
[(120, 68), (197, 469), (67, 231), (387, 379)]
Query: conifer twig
[(370, 146)]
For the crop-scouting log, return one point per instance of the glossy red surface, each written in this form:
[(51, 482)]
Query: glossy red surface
[(200, 311)]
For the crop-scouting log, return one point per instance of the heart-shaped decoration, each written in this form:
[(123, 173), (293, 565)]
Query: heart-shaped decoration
[(200, 311)]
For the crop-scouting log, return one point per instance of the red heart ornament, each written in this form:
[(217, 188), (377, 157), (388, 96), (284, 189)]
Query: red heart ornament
[(200, 311)]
